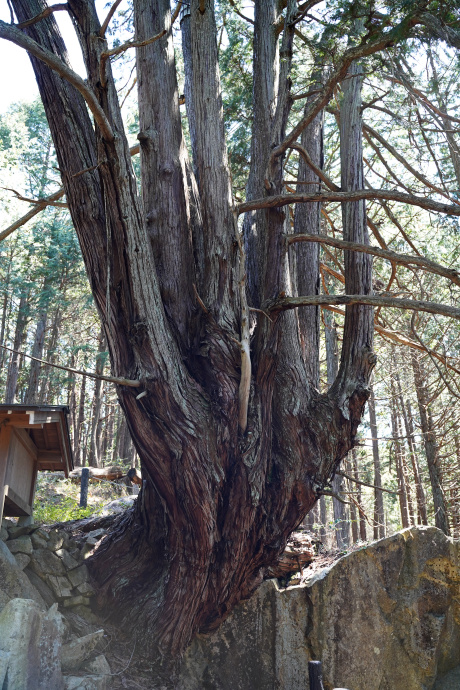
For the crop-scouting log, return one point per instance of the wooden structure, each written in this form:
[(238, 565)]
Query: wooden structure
[(33, 438)]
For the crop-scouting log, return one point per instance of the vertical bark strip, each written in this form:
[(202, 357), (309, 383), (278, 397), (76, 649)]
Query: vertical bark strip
[(307, 219), (264, 93), (379, 513), (165, 193)]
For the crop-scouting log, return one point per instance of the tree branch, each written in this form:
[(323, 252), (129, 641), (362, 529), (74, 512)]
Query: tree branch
[(321, 174), (340, 73), (41, 204), (44, 14), (394, 257), (13, 34), (401, 339), (371, 486), (390, 195), (47, 201), (108, 19), (403, 160), (132, 383), (371, 300)]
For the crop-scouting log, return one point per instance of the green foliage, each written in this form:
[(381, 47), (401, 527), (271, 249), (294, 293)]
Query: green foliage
[(63, 511)]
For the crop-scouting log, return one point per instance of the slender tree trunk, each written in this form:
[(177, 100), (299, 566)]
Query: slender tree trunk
[(78, 438), (402, 485), (354, 518), (379, 513), (362, 519), (422, 517), (13, 369), (431, 448), (94, 460), (37, 348), (341, 518)]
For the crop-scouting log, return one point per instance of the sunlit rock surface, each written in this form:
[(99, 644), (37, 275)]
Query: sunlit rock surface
[(384, 617)]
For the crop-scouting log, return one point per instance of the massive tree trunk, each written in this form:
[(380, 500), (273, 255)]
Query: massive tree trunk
[(223, 489)]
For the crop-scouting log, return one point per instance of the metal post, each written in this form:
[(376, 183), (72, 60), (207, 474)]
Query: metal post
[(315, 675), (84, 487)]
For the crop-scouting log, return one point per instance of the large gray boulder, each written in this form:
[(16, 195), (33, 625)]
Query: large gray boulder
[(386, 616), (31, 644), (13, 582)]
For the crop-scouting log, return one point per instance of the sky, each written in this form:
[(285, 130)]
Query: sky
[(17, 81)]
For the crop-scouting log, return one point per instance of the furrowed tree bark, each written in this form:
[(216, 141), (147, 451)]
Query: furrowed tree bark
[(219, 501), (307, 219)]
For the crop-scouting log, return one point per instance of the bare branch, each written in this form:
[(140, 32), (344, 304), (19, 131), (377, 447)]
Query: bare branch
[(39, 206), (371, 300), (132, 383), (394, 257), (131, 44), (44, 14), (402, 159), (246, 19), (108, 19), (321, 174), (47, 201), (396, 337), (338, 75), (13, 34), (390, 195), (371, 486)]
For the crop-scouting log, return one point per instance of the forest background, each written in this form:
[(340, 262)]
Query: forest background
[(410, 436)]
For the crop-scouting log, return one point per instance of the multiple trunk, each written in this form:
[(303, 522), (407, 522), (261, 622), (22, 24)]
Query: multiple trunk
[(220, 496)]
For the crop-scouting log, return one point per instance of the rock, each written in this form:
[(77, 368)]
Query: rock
[(39, 539), (118, 506), (44, 562), (20, 545), (69, 562), (86, 589), (93, 682), (33, 641), (76, 600), (22, 560), (4, 534), (60, 586), (26, 521), (4, 660), (96, 534), (13, 582), (75, 653), (451, 681), (57, 539), (87, 550), (41, 586), (86, 613), (19, 530), (99, 666), (6, 524), (386, 616), (78, 575), (80, 625)]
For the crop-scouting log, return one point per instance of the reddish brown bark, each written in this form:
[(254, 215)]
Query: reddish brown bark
[(217, 505)]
